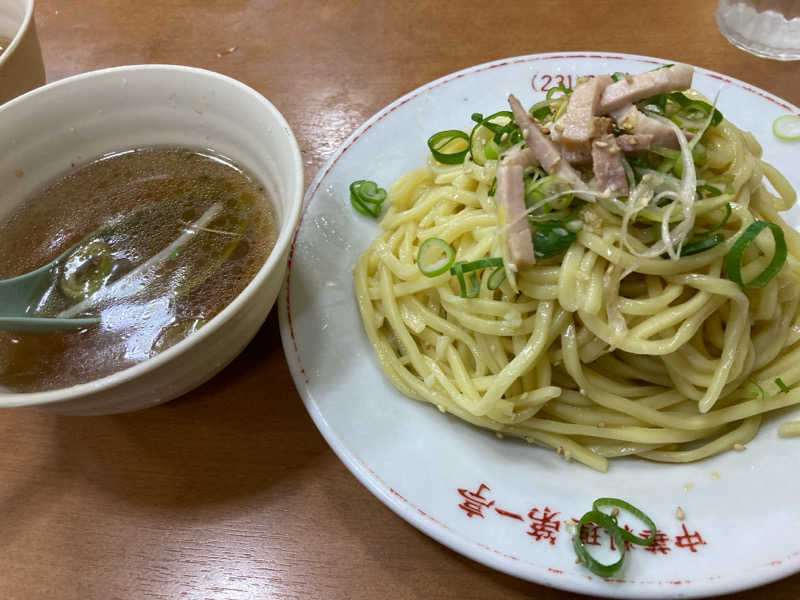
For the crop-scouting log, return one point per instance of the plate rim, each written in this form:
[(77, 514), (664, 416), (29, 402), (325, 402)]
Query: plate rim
[(414, 515)]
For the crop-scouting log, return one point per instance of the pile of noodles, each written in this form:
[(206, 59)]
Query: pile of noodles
[(604, 350)]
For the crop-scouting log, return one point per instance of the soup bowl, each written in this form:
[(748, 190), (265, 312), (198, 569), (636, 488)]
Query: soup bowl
[(52, 129)]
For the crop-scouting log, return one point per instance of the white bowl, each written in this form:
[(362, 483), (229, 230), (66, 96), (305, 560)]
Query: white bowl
[(72, 121)]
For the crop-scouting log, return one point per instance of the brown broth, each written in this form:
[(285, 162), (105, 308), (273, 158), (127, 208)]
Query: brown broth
[(170, 188)]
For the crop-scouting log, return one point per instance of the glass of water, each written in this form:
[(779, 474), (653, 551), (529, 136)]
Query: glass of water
[(768, 28)]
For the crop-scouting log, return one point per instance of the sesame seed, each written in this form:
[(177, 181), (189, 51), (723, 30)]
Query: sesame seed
[(679, 514), (714, 475), (614, 511), (739, 447)]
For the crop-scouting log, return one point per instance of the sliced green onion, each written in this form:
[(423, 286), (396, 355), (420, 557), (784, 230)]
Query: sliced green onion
[(492, 188), (702, 245), (476, 265), (721, 224), (86, 270), (608, 523), (441, 139), (617, 76), (733, 260), (366, 197), (558, 88), (758, 390), (439, 265), (502, 134), (781, 386), (617, 503), (710, 189), (787, 127), (461, 267), (541, 110), (551, 238), (497, 278)]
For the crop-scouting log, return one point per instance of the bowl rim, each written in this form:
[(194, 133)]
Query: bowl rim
[(21, 31), (292, 211)]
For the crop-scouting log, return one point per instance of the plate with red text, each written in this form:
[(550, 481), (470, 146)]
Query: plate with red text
[(503, 502)]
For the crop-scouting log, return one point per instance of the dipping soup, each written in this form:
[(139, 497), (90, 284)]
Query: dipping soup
[(160, 240)]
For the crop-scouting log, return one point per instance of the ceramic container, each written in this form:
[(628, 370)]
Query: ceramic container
[(21, 67), (74, 120)]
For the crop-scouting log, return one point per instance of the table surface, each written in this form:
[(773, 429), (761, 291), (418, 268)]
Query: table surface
[(230, 491)]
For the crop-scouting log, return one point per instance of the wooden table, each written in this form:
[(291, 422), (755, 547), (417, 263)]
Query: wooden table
[(230, 491)]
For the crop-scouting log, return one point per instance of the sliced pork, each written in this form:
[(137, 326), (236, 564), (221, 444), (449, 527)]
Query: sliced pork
[(579, 125), (634, 142), (510, 195), (609, 172), (545, 151), (523, 157), (632, 119), (643, 85)]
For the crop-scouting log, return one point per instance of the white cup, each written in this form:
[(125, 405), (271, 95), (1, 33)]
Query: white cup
[(21, 66), (71, 121)]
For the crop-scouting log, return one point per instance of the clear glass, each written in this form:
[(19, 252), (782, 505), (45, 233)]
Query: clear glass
[(768, 28)]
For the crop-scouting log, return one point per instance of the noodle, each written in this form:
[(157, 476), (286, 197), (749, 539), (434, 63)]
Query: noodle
[(602, 351)]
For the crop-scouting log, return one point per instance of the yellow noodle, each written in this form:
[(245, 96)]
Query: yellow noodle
[(672, 362)]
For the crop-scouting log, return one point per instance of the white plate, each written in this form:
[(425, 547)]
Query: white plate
[(743, 505)]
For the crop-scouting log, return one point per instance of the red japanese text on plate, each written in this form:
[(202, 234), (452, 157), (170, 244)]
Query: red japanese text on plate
[(543, 524)]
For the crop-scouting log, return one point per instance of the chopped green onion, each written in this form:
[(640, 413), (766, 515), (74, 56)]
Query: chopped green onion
[(459, 268), (617, 76), (435, 246), (366, 197), (497, 278), (492, 188), (86, 270), (781, 386), (541, 110), (617, 503), (551, 238), (565, 91), (710, 189), (608, 523), (721, 224), (702, 245), (733, 260), (503, 135), (758, 390), (441, 139), (787, 127)]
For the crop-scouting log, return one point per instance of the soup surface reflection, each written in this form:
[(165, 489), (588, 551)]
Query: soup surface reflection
[(155, 242)]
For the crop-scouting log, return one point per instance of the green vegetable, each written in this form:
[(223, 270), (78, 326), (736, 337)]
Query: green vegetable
[(435, 256), (787, 127), (702, 245), (681, 109), (551, 238), (733, 260), (442, 139), (610, 525), (616, 76), (461, 267), (496, 279), (490, 138), (617, 503), (781, 386), (86, 270), (618, 534), (366, 197)]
